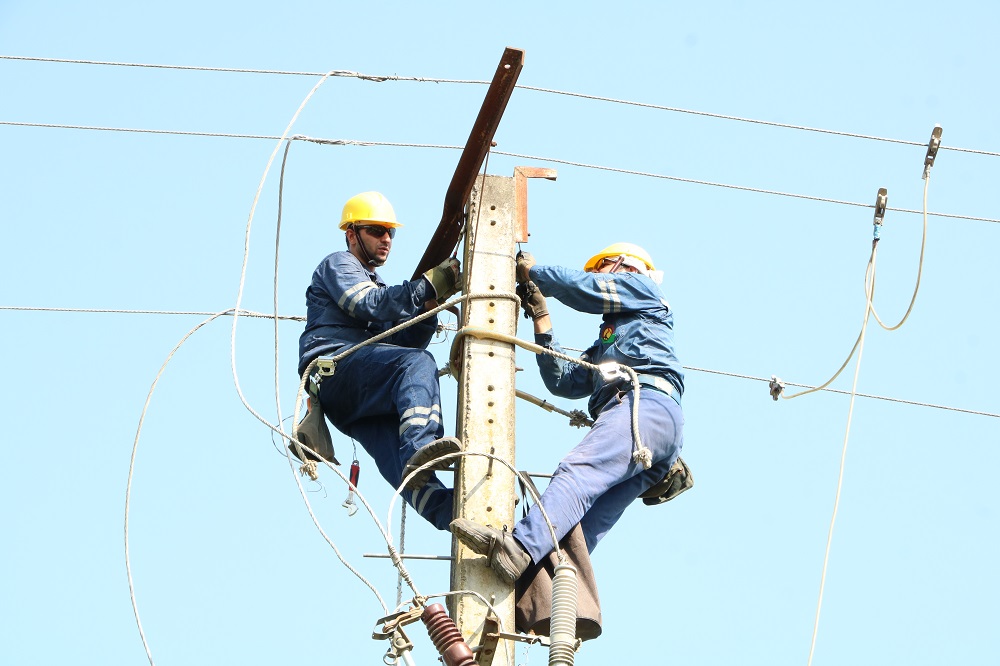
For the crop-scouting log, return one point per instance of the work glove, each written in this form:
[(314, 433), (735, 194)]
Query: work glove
[(524, 263), (446, 278), (532, 300)]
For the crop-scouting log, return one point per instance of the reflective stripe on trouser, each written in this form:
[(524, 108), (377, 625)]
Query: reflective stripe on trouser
[(597, 480), (371, 394)]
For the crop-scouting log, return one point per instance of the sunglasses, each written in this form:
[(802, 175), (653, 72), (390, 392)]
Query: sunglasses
[(376, 231), (609, 261)]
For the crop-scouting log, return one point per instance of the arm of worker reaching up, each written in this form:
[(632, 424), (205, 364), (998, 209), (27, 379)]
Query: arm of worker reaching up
[(446, 280), (599, 293)]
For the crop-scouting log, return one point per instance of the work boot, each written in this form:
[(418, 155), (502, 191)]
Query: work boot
[(424, 455), (504, 554)]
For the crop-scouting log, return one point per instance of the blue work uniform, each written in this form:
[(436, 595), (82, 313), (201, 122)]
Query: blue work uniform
[(385, 395), (598, 479)]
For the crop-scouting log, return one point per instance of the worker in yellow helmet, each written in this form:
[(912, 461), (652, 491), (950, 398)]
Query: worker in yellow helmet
[(605, 472), (384, 395)]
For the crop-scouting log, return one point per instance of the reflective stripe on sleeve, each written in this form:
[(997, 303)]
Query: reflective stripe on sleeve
[(355, 294)]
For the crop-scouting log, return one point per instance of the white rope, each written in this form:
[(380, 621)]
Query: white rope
[(641, 453), (393, 554)]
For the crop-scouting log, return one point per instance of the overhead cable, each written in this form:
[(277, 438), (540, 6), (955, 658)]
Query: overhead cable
[(552, 91), (540, 158), (247, 313), (229, 313)]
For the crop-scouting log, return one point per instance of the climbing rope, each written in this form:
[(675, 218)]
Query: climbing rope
[(641, 454)]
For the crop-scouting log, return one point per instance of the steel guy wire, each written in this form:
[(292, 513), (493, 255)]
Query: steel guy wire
[(421, 79), (539, 158)]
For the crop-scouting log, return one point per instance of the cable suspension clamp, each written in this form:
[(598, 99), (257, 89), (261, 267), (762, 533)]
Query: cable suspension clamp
[(776, 386), (880, 202), (932, 149)]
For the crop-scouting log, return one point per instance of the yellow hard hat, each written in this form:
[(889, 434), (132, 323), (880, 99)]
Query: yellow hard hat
[(368, 208), (618, 249)]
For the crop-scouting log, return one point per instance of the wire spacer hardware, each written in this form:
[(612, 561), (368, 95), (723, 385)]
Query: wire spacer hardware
[(880, 202), (932, 149), (776, 386)]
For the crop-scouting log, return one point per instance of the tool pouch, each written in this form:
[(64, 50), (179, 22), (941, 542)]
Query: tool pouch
[(677, 480)]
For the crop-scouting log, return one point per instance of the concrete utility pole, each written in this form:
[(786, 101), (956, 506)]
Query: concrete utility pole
[(484, 489)]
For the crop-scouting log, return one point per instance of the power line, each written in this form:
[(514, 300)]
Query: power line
[(229, 313), (553, 160), (842, 392), (744, 188), (552, 91), (235, 70), (248, 313)]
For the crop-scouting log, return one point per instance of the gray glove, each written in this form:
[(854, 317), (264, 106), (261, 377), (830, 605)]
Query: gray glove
[(524, 263), (445, 278), (532, 300)]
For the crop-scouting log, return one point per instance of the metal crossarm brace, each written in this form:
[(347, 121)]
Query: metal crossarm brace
[(449, 230)]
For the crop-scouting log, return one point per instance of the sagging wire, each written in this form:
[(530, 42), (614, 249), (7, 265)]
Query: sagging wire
[(776, 385), (386, 535), (776, 388), (246, 254), (131, 472), (284, 138), (932, 148), (278, 429)]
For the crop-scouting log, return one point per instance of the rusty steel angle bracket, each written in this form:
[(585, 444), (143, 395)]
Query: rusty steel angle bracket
[(449, 230), (488, 649), (521, 176)]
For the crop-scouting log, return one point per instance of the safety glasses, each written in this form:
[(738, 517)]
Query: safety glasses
[(614, 262), (376, 231)]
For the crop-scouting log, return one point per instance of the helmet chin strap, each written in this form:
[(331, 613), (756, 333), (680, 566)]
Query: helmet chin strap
[(371, 262)]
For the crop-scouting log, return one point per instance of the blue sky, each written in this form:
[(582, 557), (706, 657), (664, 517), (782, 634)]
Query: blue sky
[(227, 564)]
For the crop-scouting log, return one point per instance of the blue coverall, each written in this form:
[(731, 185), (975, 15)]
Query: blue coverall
[(598, 479), (385, 395)]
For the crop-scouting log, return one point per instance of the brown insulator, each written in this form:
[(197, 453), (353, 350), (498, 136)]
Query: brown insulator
[(446, 637)]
